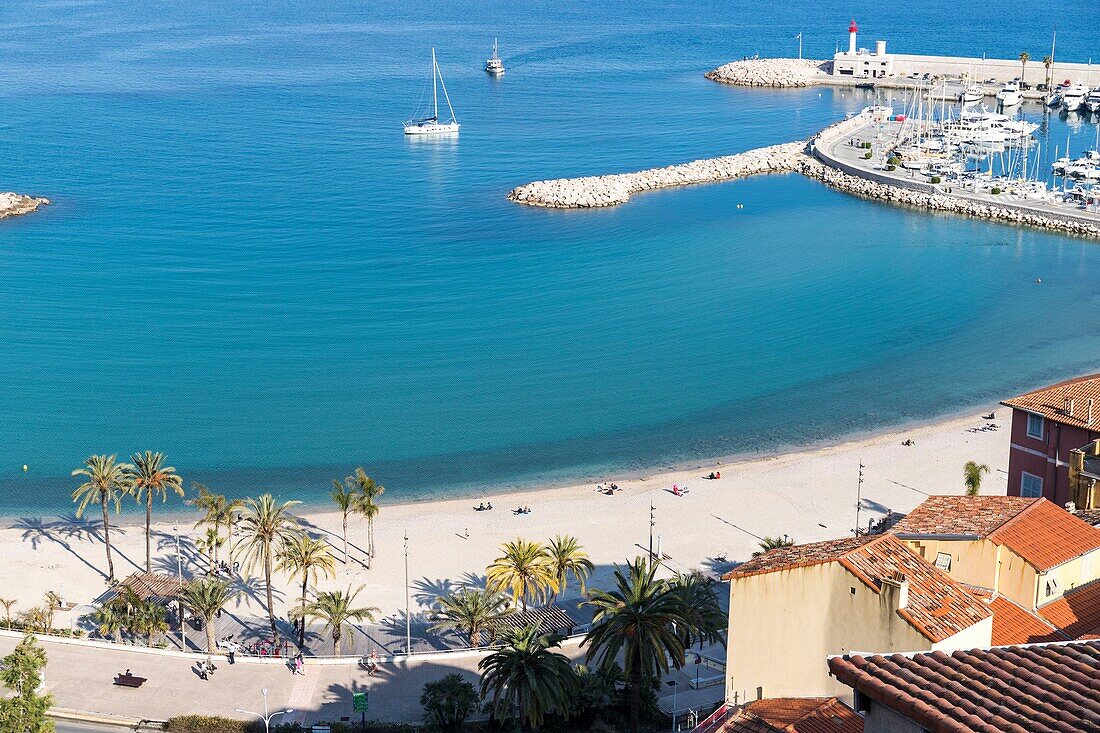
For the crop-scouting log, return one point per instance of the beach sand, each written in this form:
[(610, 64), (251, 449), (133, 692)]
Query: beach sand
[(809, 495)]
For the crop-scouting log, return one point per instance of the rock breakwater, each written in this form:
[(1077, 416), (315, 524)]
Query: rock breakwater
[(15, 204), (771, 72), (599, 191)]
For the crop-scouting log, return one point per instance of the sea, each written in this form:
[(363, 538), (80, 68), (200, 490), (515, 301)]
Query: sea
[(247, 266)]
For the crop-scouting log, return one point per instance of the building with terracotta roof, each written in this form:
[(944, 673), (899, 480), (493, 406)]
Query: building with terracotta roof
[(1047, 424), (1028, 550), (1014, 624), (1077, 612), (1038, 688), (793, 715), (792, 607)]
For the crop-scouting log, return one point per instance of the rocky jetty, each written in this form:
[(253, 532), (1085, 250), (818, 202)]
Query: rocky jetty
[(941, 202), (771, 72), (598, 191), (15, 204)]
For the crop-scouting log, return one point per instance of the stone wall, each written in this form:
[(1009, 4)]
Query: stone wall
[(771, 72)]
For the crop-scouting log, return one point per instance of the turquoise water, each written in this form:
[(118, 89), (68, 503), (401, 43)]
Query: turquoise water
[(248, 267)]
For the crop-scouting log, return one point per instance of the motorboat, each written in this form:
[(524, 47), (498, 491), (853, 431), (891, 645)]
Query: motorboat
[(971, 94), (494, 65), (1009, 95), (1073, 97), (1092, 100), (431, 124)]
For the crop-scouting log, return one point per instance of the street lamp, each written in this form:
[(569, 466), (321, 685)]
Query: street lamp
[(408, 624), (266, 717), (179, 594), (674, 686)]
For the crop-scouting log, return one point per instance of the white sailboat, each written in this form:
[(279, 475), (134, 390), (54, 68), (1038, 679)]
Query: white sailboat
[(431, 125), (494, 65)]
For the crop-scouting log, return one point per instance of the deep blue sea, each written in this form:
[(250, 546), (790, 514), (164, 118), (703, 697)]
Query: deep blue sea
[(248, 266)]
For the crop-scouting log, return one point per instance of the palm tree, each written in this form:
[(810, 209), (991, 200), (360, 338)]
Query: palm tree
[(108, 621), (524, 570), (527, 679), (218, 511), (1024, 58), (150, 619), (335, 609), (265, 528), (772, 543), (567, 558), (706, 621), (106, 483), (206, 598), (367, 505), (148, 476), (448, 701), (469, 611), (307, 557), (209, 544), (972, 477), (7, 603), (345, 500), (1048, 63), (644, 621)]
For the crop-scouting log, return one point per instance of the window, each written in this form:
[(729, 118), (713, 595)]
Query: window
[(943, 561), (1035, 426), (1031, 485), (1052, 587)]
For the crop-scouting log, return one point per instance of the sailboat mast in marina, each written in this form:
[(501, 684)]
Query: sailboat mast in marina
[(431, 125)]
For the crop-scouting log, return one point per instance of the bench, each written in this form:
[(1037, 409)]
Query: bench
[(129, 680)]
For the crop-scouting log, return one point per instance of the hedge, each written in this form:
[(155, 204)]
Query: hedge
[(214, 724)]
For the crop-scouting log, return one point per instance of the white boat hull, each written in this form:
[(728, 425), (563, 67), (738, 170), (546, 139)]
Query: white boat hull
[(432, 128), (1009, 99)]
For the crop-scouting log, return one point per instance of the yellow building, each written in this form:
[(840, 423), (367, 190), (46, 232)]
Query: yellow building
[(1027, 550), (793, 607)]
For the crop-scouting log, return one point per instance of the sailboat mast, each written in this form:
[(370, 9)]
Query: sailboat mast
[(435, 73)]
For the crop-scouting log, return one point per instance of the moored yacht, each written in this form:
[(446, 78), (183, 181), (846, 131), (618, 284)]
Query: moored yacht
[(971, 94), (1010, 95), (1073, 97), (1092, 100), (493, 65)]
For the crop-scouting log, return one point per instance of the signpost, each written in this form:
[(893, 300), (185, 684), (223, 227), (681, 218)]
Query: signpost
[(359, 704)]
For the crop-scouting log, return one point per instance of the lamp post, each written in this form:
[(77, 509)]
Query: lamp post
[(673, 684), (652, 522), (266, 717), (408, 623), (179, 592)]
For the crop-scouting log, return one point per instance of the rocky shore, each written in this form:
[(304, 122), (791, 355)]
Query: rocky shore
[(598, 191), (15, 204), (780, 73)]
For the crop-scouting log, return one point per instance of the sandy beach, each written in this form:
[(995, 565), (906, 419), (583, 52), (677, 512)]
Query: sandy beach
[(809, 495)]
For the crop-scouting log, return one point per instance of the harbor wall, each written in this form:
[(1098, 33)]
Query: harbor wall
[(1000, 69)]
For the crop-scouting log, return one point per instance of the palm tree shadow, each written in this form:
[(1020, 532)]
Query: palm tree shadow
[(426, 592), (335, 539), (37, 531)]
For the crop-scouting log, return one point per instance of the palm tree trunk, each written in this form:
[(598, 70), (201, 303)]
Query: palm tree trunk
[(107, 542), (370, 536), (636, 695), (302, 618), (148, 529), (345, 538), (336, 641), (210, 635), (217, 535), (270, 602)]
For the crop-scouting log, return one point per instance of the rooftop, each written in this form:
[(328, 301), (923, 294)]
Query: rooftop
[(1040, 688), (1077, 612), (154, 587), (1053, 402), (1014, 624), (938, 607), (794, 715), (1040, 532)]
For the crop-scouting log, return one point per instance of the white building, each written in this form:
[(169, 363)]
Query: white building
[(861, 63)]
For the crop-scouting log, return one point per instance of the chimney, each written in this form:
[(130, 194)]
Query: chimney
[(1090, 411), (1068, 406), (1071, 507), (898, 584)]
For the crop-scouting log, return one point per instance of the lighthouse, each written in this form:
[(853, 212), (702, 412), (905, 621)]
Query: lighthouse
[(859, 63), (852, 30)]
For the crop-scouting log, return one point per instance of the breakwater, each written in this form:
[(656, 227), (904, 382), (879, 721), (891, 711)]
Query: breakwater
[(777, 73), (15, 204), (599, 191)]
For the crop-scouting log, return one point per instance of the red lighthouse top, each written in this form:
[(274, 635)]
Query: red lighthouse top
[(852, 27)]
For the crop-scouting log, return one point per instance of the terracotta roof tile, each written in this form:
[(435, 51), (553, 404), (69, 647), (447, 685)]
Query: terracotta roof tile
[(938, 606), (1077, 612), (1040, 688), (1040, 532), (961, 515), (795, 715), (1013, 624), (1045, 535), (1050, 402)]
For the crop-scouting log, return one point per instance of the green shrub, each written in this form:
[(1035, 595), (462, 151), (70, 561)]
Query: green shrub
[(865, 145), (996, 190), (935, 179), (867, 156), (891, 167), (209, 724), (893, 160)]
